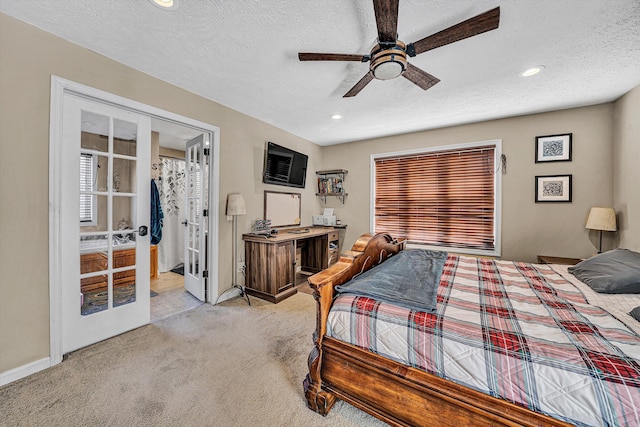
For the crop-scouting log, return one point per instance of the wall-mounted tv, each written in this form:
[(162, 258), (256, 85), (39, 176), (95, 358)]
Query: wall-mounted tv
[(283, 166)]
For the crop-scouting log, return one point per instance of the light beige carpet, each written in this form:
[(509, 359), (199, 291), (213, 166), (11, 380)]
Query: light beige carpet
[(224, 365)]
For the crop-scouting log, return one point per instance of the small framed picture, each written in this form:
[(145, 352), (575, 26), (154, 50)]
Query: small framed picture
[(553, 148), (553, 188)]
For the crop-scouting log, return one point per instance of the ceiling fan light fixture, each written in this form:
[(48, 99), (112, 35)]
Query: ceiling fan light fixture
[(388, 62), (388, 70)]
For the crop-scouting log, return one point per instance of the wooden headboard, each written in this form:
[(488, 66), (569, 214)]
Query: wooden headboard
[(367, 252)]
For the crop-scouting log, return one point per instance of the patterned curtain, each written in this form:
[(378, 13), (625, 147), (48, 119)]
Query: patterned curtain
[(171, 186)]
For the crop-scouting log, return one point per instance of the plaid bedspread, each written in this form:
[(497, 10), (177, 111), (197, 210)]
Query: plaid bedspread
[(516, 331)]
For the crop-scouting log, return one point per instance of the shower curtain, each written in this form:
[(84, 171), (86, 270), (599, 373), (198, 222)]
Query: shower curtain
[(171, 186)]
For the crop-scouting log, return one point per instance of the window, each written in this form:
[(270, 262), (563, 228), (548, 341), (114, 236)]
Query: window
[(88, 201), (446, 197)]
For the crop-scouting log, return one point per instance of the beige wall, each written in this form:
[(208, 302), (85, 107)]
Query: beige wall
[(170, 152), (28, 58), (528, 228), (626, 170)]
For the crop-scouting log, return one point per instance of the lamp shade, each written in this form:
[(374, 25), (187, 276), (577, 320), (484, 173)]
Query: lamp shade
[(235, 205), (603, 219)]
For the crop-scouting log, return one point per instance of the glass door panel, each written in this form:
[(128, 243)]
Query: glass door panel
[(124, 172), (95, 131), (124, 291), (124, 213), (95, 295), (124, 142), (101, 174)]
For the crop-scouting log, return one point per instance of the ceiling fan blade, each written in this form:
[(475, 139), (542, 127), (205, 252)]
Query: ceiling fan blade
[(306, 56), (387, 20), (419, 77), (359, 86), (482, 23)]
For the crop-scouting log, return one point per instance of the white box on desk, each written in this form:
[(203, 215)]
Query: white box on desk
[(328, 220), (324, 220)]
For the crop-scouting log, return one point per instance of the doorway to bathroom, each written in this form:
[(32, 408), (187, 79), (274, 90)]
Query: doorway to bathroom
[(179, 168), (101, 218)]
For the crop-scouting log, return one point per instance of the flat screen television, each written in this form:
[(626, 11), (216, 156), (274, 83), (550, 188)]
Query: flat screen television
[(283, 166)]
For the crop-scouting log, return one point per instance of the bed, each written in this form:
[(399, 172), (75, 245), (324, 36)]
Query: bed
[(404, 384)]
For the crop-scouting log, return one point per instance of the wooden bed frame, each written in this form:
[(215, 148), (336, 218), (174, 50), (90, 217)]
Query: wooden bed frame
[(395, 393)]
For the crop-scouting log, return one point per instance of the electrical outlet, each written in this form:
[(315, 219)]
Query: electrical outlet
[(241, 267)]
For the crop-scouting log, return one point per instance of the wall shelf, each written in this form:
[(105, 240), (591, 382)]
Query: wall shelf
[(331, 184)]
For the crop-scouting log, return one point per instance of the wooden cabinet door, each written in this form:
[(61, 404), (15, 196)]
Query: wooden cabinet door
[(270, 269), (256, 257), (284, 267)]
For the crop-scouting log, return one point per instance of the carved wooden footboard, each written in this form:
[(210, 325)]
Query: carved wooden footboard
[(393, 392)]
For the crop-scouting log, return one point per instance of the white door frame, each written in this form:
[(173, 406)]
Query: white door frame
[(59, 87)]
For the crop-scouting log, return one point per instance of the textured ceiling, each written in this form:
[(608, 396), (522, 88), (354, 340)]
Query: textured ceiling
[(243, 54)]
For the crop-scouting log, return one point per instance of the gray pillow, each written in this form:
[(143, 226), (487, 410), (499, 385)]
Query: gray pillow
[(635, 313), (612, 272)]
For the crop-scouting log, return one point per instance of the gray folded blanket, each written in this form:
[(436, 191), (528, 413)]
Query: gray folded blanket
[(409, 279)]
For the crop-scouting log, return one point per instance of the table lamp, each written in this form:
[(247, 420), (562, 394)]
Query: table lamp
[(601, 219)]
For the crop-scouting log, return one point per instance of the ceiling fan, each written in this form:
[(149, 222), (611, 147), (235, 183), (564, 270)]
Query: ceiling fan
[(388, 58)]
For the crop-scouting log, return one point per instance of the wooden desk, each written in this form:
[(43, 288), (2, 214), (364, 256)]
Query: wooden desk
[(271, 261)]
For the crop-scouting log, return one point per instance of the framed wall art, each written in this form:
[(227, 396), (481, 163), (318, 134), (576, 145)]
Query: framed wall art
[(553, 148), (553, 188)]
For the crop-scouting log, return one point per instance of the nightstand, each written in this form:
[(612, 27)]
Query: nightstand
[(546, 259)]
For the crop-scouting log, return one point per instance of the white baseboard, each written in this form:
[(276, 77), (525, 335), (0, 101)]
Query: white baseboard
[(24, 371)]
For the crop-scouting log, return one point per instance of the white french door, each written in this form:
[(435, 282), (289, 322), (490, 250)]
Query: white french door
[(195, 236), (105, 213)]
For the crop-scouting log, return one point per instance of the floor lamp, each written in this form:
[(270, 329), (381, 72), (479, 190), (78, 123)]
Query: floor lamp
[(235, 207), (602, 219)]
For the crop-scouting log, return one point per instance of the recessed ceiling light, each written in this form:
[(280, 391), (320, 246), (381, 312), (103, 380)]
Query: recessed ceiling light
[(532, 71), (165, 4), (336, 117)]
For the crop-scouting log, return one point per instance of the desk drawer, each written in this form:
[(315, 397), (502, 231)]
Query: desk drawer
[(333, 236)]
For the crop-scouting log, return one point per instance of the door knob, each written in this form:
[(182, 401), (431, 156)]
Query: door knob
[(184, 223)]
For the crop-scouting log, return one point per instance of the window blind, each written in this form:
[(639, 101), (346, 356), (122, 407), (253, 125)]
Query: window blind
[(87, 201), (444, 198)]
